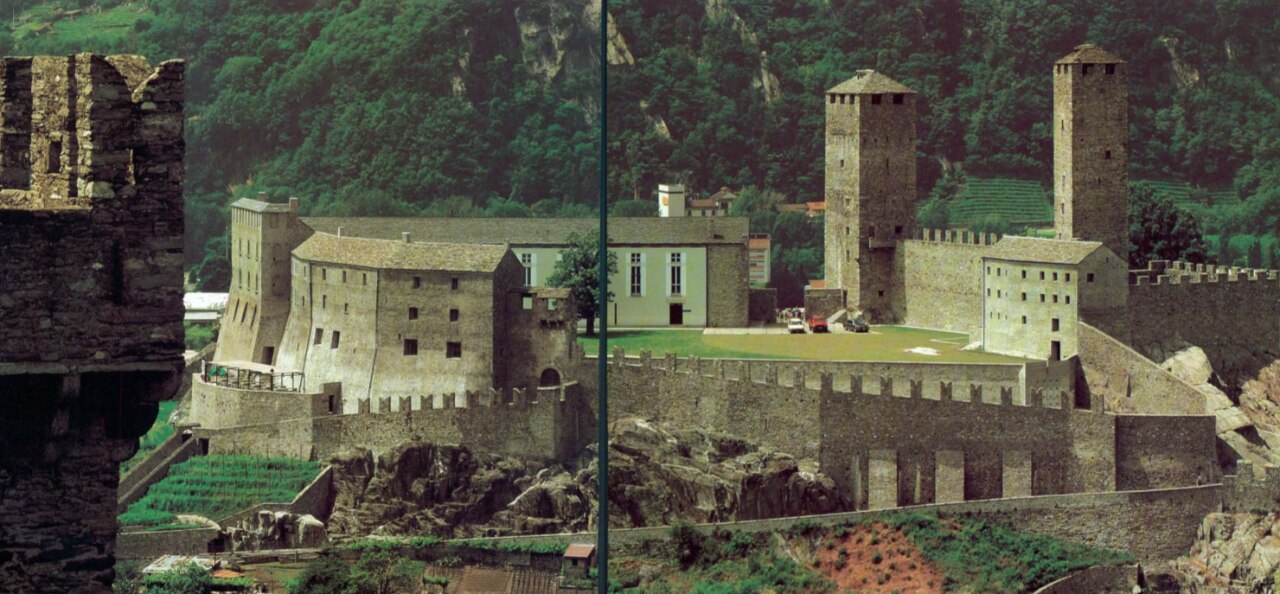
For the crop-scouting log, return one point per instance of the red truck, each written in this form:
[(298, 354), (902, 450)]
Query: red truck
[(818, 324)]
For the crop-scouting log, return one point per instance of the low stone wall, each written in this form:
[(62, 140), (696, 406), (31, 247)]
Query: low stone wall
[(315, 499), (149, 545), (823, 302), (134, 484), (1247, 492), (1155, 451), (1115, 579), (287, 439), (1129, 382), (219, 407), (1153, 525)]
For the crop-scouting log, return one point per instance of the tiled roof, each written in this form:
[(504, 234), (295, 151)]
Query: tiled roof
[(1090, 54), (541, 232), (260, 206), (758, 243), (579, 551), (397, 255), (867, 82), (724, 194), (1035, 249)]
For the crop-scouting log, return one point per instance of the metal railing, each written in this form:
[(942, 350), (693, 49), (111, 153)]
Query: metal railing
[(221, 374)]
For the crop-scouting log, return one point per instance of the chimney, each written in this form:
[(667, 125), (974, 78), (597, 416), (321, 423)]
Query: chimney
[(339, 231), (262, 196), (405, 236), (293, 204)]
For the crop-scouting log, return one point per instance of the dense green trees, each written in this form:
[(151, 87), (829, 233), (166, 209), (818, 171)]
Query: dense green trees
[(578, 269), (1158, 230)]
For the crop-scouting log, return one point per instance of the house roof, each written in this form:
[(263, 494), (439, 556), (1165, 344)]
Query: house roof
[(260, 206), (1049, 251), (398, 255), (579, 551), (1087, 53), (867, 82), (541, 232), (705, 203), (758, 243), (818, 205), (818, 283), (724, 194)]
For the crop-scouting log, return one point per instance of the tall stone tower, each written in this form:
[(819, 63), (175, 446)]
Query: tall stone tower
[(263, 236), (1090, 148), (870, 189), (91, 177)]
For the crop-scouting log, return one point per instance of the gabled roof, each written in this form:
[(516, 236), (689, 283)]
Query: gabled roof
[(579, 551), (398, 255), (1049, 251), (724, 194), (1088, 53), (866, 82), (541, 232), (260, 206)]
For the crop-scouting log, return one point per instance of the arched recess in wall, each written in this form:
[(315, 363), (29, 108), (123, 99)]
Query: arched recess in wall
[(550, 377)]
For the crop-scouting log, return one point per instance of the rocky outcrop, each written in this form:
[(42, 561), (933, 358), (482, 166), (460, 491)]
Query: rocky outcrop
[(658, 475), (1232, 553), (268, 530), (1245, 427)]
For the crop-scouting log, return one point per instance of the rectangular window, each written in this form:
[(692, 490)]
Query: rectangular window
[(335, 339), (344, 276), (1088, 277), (1068, 279), (453, 315), (1107, 155), (1055, 276), (453, 350), (875, 99), (1024, 296), (410, 347), (319, 336), (1068, 300), (1024, 319), (346, 308), (324, 302), (417, 282), (1055, 324), (677, 274), (453, 283), (1111, 68), (1024, 274), (1041, 275), (1055, 297), (1042, 298), (898, 98), (364, 278), (637, 271), (526, 260), (55, 157), (324, 274), (413, 313)]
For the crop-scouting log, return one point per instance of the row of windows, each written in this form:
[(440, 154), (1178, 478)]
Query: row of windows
[(1002, 294), (1043, 275), (1055, 324), (240, 314), (675, 274), (452, 350), (1085, 69), (454, 314), (454, 284), (876, 99)]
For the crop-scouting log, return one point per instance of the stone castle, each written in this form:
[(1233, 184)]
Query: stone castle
[(91, 172), (1022, 296)]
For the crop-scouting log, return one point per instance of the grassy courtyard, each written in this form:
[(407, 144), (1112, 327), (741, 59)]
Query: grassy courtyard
[(883, 343)]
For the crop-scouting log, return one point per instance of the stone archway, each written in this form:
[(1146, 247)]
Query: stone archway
[(550, 377)]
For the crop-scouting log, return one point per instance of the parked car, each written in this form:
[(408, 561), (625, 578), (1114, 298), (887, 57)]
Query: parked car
[(795, 326), (856, 324), (818, 325)]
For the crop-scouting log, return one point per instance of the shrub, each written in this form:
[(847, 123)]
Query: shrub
[(876, 557)]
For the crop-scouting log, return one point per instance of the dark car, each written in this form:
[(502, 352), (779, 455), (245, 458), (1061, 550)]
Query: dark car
[(856, 324)]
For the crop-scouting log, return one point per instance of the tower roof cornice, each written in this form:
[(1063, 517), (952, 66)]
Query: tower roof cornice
[(869, 82), (1087, 53)]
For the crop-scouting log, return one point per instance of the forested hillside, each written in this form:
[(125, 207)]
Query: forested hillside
[(728, 92), (360, 106)]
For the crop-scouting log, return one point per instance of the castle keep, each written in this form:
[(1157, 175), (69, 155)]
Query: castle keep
[(90, 300)]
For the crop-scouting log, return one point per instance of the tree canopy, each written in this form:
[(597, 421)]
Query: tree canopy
[(578, 269)]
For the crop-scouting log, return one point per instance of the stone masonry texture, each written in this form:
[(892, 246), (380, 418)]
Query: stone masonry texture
[(91, 310)]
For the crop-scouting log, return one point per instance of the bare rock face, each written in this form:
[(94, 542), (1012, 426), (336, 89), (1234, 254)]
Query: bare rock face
[(1232, 553), (1247, 428), (278, 530), (424, 488), (658, 476)]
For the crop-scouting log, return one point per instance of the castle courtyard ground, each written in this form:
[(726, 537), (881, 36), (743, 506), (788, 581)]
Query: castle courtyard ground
[(883, 343)]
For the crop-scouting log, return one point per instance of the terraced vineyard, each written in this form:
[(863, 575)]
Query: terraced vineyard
[(1014, 200), (217, 486)]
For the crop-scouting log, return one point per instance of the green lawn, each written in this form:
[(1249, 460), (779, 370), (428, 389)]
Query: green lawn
[(883, 343)]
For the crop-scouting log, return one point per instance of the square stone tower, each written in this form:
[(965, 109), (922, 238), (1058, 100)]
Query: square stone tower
[(1090, 148), (870, 187)]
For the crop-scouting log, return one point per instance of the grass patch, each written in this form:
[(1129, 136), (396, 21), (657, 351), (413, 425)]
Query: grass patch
[(217, 486), (108, 28), (160, 430), (883, 343), (1015, 200)]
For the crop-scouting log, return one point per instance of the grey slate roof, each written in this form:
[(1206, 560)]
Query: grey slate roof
[(260, 206), (1087, 53), (1049, 251), (865, 82), (541, 232), (397, 255)]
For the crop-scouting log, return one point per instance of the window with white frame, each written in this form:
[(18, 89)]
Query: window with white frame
[(637, 274), (529, 271), (676, 266)]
